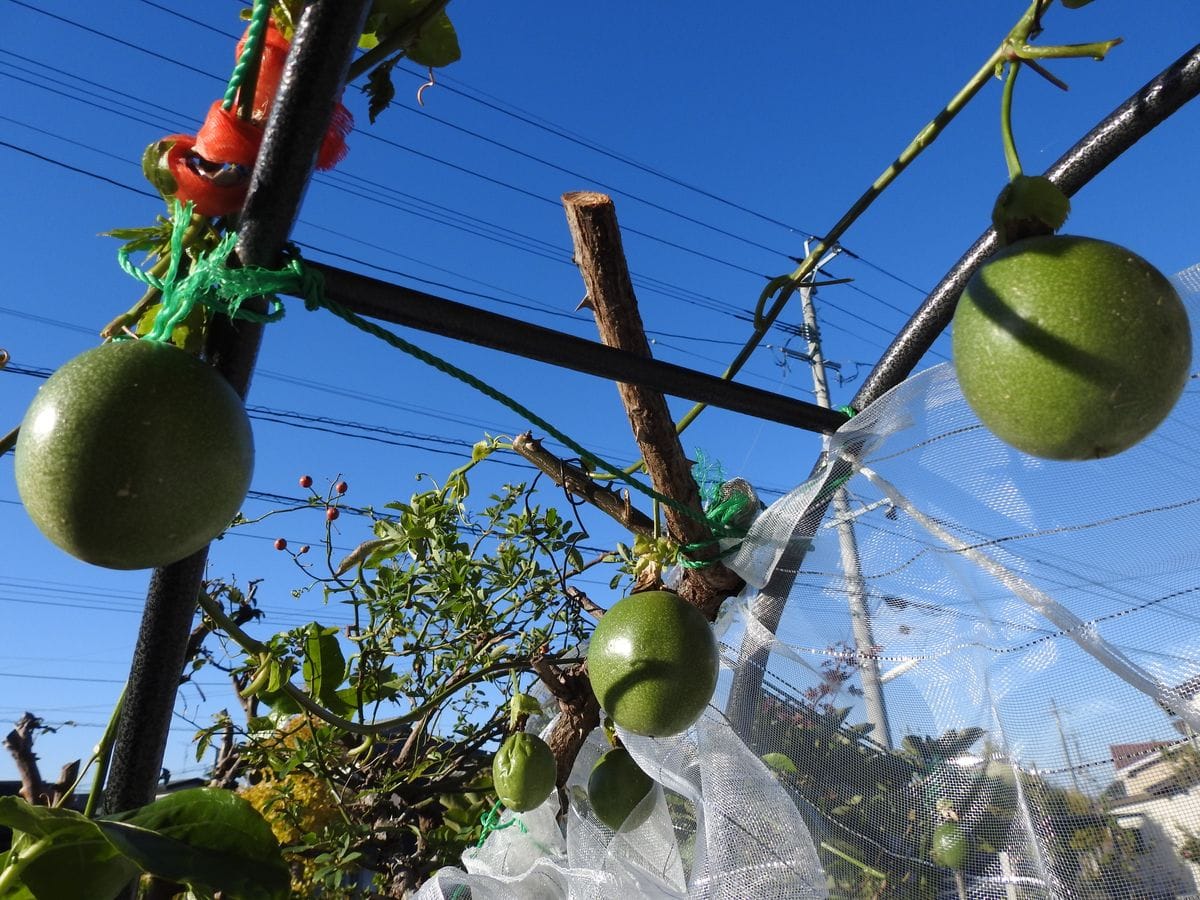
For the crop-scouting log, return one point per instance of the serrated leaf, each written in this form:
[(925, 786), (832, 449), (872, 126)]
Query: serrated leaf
[(206, 838), (436, 44)]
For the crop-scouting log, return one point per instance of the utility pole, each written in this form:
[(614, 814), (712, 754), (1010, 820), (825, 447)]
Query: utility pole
[(1062, 736), (856, 588)]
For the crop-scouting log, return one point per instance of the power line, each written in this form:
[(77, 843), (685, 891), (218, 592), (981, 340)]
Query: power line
[(474, 173), (490, 231)]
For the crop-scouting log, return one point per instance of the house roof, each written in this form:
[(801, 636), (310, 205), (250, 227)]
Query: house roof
[(1125, 755)]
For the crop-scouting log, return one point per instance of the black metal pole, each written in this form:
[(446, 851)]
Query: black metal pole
[(1095, 151), (326, 37), (377, 299)]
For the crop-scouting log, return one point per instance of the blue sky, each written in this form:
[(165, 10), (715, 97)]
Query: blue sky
[(786, 113)]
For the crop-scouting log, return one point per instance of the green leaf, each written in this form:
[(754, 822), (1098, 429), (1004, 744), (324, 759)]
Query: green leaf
[(324, 663), (437, 44), (1075, 4), (154, 169), (205, 838), (780, 762), (59, 849)]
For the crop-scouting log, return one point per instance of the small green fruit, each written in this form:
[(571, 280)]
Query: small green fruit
[(653, 663), (616, 788), (949, 847), (1070, 348), (523, 772), (134, 454)]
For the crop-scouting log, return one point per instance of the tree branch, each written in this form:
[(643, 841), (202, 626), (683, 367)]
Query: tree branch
[(19, 743), (577, 481)]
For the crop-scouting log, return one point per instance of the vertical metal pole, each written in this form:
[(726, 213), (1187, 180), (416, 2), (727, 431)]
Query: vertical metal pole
[(856, 589), (312, 82)]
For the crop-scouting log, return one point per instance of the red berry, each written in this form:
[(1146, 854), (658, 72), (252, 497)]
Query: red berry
[(305, 481), (331, 513), (280, 544), (341, 487), (304, 549)]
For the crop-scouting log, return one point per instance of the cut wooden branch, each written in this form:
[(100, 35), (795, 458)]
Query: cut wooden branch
[(592, 219), (19, 743), (575, 480), (65, 789)]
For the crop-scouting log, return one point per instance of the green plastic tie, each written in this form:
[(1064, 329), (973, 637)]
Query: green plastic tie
[(211, 282), (848, 411), (490, 821)]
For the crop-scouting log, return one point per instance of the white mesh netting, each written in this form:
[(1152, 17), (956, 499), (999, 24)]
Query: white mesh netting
[(1029, 686)]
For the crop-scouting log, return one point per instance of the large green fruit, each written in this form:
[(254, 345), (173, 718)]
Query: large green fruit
[(134, 454), (1070, 347), (523, 772), (653, 663), (616, 788), (949, 847)]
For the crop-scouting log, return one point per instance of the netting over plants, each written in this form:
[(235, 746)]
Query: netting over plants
[(1035, 634)]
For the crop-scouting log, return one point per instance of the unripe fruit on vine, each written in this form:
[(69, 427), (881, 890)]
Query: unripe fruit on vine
[(305, 481), (949, 846), (134, 454), (523, 772), (280, 544), (617, 787), (1070, 348), (653, 663)]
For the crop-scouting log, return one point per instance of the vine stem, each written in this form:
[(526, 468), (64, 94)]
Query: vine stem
[(1015, 42), (103, 755), (212, 608)]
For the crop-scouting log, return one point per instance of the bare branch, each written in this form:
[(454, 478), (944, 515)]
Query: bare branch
[(576, 480)]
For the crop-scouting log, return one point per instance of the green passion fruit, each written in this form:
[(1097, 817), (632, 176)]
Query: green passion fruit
[(1070, 348), (134, 454), (653, 663), (949, 846), (616, 789), (523, 772)]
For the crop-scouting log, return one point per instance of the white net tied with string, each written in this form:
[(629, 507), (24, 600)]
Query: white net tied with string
[(984, 683)]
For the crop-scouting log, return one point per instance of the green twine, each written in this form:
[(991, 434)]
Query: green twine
[(490, 821), (318, 299), (726, 519), (251, 51), (212, 283)]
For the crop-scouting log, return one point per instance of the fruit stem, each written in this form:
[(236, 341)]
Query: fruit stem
[(1006, 132)]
